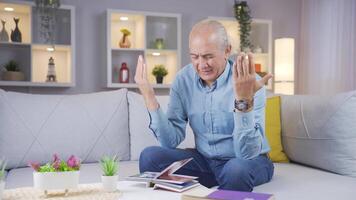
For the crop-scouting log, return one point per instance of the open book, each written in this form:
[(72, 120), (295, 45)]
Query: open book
[(166, 179)]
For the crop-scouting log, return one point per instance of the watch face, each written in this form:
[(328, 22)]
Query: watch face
[(241, 106)]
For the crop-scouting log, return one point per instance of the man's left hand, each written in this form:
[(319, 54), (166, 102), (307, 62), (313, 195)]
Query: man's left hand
[(244, 77)]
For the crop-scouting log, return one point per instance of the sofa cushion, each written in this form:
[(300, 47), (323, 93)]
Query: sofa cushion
[(140, 134), (33, 127), (295, 182), (273, 129), (320, 131), (89, 173)]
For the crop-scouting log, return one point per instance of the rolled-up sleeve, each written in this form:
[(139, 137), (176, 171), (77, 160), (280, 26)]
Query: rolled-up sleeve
[(249, 128), (169, 128)]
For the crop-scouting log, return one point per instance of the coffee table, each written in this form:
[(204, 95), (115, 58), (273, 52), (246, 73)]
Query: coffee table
[(127, 190), (131, 190)]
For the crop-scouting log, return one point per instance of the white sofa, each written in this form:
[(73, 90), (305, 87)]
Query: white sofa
[(33, 127)]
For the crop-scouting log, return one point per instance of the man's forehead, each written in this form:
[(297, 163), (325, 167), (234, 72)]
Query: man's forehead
[(203, 36), (204, 53), (204, 49)]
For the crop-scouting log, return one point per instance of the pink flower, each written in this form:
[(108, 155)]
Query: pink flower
[(56, 165), (35, 165), (73, 162), (56, 162), (56, 158)]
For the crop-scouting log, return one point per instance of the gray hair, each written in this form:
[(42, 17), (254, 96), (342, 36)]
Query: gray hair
[(217, 28)]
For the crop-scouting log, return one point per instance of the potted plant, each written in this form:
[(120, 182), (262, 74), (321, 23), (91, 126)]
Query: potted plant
[(110, 166), (2, 177), (159, 44), (242, 15), (159, 71), (124, 41), (12, 72), (57, 174)]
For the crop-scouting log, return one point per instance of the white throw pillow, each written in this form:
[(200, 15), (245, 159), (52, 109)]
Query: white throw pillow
[(34, 127), (320, 131)]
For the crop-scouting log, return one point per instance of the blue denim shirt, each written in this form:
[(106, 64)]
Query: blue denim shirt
[(219, 132)]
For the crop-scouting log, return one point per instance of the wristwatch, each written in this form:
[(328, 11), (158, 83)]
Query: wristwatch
[(243, 105)]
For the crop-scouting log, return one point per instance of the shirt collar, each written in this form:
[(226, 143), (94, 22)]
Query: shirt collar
[(219, 82)]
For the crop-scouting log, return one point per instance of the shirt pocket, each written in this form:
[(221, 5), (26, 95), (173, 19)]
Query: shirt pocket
[(223, 122), (197, 122)]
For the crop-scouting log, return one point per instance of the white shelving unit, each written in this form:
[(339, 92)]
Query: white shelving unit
[(31, 54), (145, 28), (261, 35)]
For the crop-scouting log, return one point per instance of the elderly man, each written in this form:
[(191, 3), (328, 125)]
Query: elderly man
[(224, 103)]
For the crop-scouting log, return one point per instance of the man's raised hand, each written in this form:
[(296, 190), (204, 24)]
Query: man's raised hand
[(143, 84), (244, 77)]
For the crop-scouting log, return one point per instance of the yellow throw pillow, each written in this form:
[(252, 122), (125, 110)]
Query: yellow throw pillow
[(273, 129)]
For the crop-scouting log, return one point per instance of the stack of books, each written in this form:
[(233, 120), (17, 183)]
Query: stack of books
[(166, 179), (203, 193)]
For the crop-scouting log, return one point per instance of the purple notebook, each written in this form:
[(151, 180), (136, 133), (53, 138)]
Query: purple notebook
[(236, 195)]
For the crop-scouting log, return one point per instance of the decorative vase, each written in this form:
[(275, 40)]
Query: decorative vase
[(4, 36), (16, 34), (109, 183), (257, 67), (13, 76), (159, 43), (2, 188), (56, 181), (124, 73), (124, 41), (258, 49), (159, 79)]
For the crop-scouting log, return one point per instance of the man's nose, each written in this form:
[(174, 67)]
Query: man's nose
[(202, 62)]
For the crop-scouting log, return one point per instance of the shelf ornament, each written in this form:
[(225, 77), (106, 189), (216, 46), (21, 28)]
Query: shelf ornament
[(46, 14), (4, 36), (159, 71), (16, 35), (51, 73), (124, 41)]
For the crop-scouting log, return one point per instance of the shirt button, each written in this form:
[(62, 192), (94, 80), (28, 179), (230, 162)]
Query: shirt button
[(244, 122)]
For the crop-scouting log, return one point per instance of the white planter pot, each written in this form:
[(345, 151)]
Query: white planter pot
[(2, 188), (109, 183), (56, 180)]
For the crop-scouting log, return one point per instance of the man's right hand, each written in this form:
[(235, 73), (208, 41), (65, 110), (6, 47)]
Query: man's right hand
[(144, 85)]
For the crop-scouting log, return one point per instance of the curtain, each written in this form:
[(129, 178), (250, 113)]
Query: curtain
[(328, 47)]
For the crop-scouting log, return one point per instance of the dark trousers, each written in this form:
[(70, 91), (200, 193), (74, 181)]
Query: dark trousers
[(234, 174)]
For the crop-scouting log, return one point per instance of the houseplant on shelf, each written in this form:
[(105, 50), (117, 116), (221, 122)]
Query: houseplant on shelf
[(110, 166), (2, 176), (124, 41), (57, 174), (12, 72), (159, 71)]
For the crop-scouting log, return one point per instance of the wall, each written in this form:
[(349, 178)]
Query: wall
[(90, 30)]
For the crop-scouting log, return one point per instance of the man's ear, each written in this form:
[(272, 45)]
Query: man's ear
[(227, 51)]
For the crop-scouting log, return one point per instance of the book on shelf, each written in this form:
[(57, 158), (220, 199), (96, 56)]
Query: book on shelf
[(203, 193), (166, 179)]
